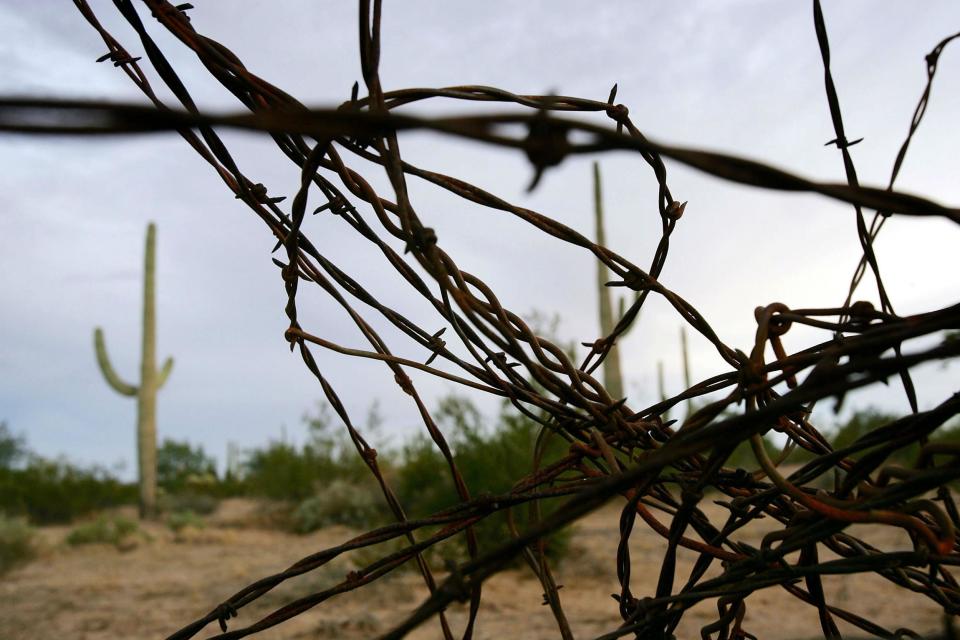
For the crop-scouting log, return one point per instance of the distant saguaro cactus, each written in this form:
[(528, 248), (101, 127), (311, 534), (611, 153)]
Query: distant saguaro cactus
[(151, 380), (685, 355), (685, 358), (612, 376)]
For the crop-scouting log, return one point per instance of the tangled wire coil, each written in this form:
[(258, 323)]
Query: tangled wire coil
[(661, 470)]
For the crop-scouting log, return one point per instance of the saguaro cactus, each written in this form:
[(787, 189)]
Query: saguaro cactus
[(612, 377), (686, 367), (151, 380)]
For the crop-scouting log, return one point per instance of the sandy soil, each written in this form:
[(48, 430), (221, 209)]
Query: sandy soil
[(151, 590)]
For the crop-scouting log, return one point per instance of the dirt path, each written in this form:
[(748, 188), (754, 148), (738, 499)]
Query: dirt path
[(100, 593)]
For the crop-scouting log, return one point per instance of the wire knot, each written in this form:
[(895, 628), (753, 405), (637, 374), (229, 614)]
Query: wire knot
[(359, 141), (421, 239), (118, 58), (634, 279), (546, 145), (224, 612), (436, 345), (843, 143), (751, 373), (259, 193), (403, 380), (675, 209), (619, 113), (598, 345), (337, 205), (777, 325), (861, 313)]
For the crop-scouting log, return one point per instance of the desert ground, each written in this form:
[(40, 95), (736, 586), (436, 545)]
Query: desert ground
[(151, 588)]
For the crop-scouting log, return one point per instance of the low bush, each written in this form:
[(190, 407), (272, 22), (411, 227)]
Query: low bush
[(103, 530), (352, 504), (180, 520), (53, 491), (13, 447), (861, 423), (284, 472), (193, 501), (16, 543), (281, 472), (182, 467), (489, 460), (56, 492)]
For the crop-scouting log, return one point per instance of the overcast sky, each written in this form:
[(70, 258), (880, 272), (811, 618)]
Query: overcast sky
[(743, 77)]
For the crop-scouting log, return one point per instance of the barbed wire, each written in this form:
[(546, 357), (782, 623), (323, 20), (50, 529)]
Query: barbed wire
[(661, 469)]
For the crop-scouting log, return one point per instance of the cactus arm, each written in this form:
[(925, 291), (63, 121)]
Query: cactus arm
[(164, 372), (111, 376)]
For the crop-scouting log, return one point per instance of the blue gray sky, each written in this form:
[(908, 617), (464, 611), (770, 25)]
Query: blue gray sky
[(738, 76)]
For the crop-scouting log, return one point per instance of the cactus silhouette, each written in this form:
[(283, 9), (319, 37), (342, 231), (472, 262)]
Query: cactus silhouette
[(151, 380), (661, 389), (612, 376), (685, 356)]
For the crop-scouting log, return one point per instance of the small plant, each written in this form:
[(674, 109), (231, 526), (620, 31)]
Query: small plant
[(181, 465), (16, 543), (103, 530), (194, 501), (340, 502), (180, 520)]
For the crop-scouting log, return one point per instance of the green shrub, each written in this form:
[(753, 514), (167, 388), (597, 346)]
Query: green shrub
[(180, 465), (284, 472), (860, 424), (12, 447), (16, 543), (51, 492), (189, 500), (864, 421), (280, 472), (103, 530), (180, 520), (490, 461), (341, 502), (229, 486)]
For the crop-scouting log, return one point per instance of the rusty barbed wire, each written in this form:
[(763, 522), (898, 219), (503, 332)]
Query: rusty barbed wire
[(661, 469)]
